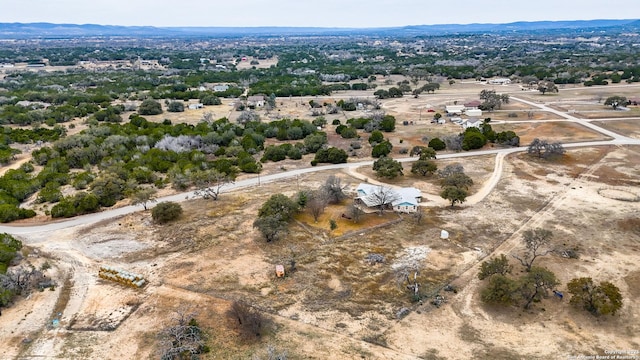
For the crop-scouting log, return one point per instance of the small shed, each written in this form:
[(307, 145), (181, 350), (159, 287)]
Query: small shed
[(444, 234)]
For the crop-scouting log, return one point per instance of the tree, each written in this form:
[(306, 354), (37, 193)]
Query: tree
[(454, 194), (600, 299), (547, 86), (457, 179), (333, 188), (166, 211), (210, 182), (272, 227), (150, 107), (108, 188), (316, 203), (543, 149), (437, 144), (423, 167), (382, 197), (473, 139), (183, 339), (500, 290), (495, 266), (175, 106), (381, 149), (450, 170), (616, 101), (279, 205), (143, 196), (492, 100), (386, 167), (376, 137), (534, 241), (354, 213), (536, 284), (250, 321)]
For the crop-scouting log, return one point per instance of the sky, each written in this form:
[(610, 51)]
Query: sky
[(304, 13)]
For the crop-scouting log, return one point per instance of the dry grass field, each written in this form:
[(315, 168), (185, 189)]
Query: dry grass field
[(335, 304)]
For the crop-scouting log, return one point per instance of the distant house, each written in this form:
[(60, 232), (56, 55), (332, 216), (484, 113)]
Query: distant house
[(454, 109), (473, 112), (476, 123), (220, 88), (255, 101), (404, 200), (473, 104), (195, 106), (500, 81)]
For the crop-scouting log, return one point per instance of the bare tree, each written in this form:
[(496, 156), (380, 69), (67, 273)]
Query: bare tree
[(418, 216), (537, 147), (382, 197), (534, 241), (334, 189), (209, 183), (316, 203), (354, 213), (544, 149), (451, 169), (182, 338), (250, 321)]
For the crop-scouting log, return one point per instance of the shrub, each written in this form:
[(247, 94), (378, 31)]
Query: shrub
[(166, 211)]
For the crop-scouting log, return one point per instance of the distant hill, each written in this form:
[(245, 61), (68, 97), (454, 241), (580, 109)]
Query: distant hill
[(49, 30)]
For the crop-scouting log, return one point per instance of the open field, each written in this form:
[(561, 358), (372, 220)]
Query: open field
[(334, 304)]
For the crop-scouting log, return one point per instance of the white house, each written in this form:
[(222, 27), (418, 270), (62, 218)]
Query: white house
[(403, 200), (454, 109), (220, 87), (255, 101), (500, 81), (473, 112), (195, 106), (476, 123)]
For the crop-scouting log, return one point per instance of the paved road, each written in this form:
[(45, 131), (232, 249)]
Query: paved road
[(616, 139)]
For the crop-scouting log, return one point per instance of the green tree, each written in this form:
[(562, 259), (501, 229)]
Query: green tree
[(272, 227), (382, 149), (536, 284), (108, 188), (500, 290), (437, 144), (458, 180), (473, 139), (175, 106), (616, 101), (376, 137), (150, 107), (143, 196), (454, 194), (388, 123), (166, 211), (600, 299), (279, 205), (495, 266), (387, 167), (547, 86), (423, 167)]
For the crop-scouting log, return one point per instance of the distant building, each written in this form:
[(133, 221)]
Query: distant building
[(220, 88), (255, 101), (473, 104), (473, 112), (405, 200), (476, 123), (500, 81), (195, 106), (454, 109)]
